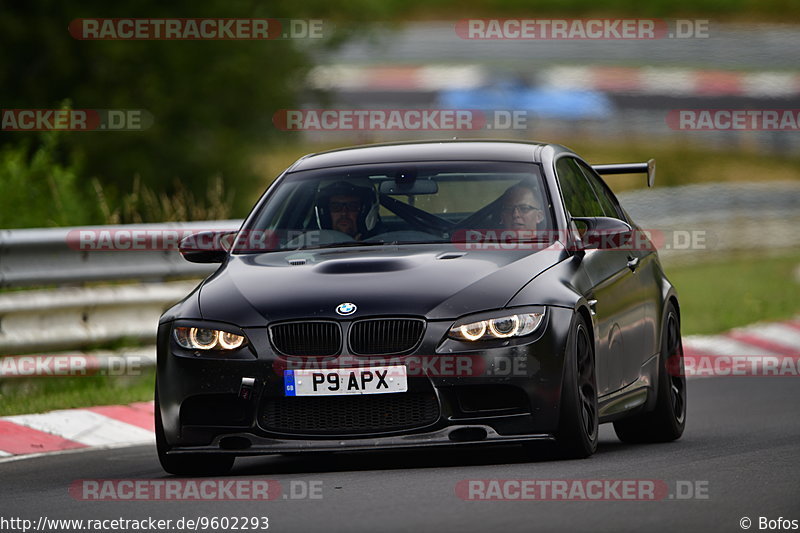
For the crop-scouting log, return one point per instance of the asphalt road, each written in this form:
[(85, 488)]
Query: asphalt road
[(740, 446)]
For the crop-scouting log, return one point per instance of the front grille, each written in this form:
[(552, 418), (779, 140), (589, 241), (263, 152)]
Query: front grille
[(307, 338), (370, 413), (385, 336)]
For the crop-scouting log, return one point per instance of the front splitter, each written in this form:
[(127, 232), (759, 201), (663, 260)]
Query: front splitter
[(449, 436)]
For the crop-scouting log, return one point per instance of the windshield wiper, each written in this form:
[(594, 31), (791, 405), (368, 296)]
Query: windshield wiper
[(343, 244), (354, 244), (503, 241)]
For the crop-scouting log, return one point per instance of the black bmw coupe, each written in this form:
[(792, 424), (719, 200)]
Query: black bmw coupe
[(423, 294)]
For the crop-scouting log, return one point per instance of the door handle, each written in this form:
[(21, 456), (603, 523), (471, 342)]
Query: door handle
[(633, 263)]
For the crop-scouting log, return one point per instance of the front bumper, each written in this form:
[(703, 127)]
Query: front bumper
[(203, 411)]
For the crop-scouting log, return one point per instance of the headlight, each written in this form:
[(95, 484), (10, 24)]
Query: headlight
[(497, 328), (207, 339)]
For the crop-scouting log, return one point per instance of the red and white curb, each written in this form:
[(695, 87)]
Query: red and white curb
[(624, 80), (397, 78), (74, 429), (674, 81), (760, 349)]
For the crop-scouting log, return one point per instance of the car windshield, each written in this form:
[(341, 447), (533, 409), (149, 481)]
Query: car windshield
[(400, 203)]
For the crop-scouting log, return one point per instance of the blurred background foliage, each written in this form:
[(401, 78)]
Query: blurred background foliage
[(212, 101)]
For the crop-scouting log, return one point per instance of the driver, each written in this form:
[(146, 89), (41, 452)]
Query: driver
[(521, 209), (348, 208)]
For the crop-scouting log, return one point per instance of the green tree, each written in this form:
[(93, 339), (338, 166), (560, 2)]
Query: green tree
[(212, 101)]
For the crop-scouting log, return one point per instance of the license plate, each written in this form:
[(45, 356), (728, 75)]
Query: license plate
[(338, 381)]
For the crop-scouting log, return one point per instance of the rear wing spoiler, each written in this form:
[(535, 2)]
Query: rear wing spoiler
[(648, 168)]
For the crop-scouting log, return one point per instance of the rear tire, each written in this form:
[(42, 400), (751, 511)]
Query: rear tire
[(578, 419), (667, 421), (188, 464)]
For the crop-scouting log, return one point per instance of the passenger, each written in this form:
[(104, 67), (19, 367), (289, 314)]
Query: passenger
[(521, 209)]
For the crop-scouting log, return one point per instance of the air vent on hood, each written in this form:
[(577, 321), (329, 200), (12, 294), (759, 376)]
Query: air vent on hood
[(451, 255), (300, 259), (363, 265)]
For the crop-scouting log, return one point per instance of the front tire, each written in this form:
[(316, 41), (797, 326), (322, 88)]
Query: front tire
[(578, 420), (187, 465), (667, 421)]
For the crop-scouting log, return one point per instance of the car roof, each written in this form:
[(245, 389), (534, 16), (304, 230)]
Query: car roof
[(442, 150)]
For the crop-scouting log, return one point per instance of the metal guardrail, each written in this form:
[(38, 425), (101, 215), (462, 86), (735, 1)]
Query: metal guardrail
[(727, 217), (31, 257), (77, 317)]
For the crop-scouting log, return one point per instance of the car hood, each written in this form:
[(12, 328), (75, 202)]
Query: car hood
[(417, 280)]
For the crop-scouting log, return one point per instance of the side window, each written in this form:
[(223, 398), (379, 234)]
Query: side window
[(607, 199), (578, 194)]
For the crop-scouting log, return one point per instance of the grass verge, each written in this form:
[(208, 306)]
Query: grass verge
[(736, 291), (38, 395)]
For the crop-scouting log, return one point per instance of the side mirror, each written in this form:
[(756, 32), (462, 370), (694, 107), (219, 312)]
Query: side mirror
[(206, 246), (604, 233)]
